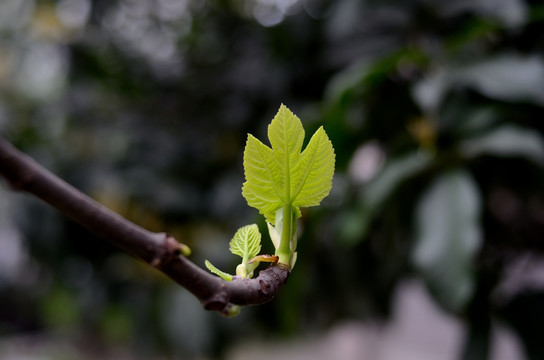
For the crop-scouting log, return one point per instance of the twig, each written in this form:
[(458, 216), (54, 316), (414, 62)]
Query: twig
[(159, 250)]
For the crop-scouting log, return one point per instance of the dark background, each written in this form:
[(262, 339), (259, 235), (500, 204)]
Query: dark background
[(435, 109)]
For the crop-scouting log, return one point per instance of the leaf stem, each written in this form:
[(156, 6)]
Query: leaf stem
[(284, 250)]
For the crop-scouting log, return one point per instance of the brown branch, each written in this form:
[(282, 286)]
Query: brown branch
[(159, 250)]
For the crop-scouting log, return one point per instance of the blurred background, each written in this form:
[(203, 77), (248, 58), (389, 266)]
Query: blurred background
[(429, 246)]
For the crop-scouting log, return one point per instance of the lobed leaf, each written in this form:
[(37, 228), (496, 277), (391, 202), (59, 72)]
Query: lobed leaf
[(286, 136), (281, 176)]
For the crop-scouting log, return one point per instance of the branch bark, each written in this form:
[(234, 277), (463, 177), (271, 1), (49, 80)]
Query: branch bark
[(159, 250)]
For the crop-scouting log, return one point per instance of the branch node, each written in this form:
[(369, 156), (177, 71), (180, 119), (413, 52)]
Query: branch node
[(265, 287), (174, 246), (217, 302), (166, 250)]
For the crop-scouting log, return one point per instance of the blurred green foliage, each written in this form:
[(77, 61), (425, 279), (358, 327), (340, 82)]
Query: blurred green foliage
[(434, 108)]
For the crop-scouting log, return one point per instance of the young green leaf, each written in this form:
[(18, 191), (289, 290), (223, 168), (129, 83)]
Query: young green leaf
[(223, 275), (281, 176), (262, 189), (246, 242), (311, 177)]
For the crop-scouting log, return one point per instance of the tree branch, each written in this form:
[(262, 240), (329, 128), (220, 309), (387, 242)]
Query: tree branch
[(159, 250)]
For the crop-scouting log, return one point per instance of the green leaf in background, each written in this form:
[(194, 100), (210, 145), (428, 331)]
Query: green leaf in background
[(506, 141), (246, 243), (508, 77), (223, 275), (282, 176), (395, 171), (356, 224), (448, 236)]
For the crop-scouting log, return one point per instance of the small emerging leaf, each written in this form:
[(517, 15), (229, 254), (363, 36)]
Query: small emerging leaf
[(241, 271), (245, 271), (223, 275), (246, 243)]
